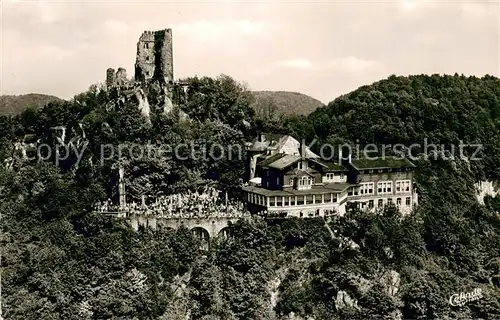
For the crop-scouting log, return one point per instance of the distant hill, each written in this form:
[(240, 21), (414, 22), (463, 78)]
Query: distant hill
[(272, 104), (12, 105)]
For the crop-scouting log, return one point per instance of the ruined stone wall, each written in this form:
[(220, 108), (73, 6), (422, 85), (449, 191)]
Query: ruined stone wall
[(167, 59), (121, 77), (155, 56), (145, 59), (118, 79), (110, 77)]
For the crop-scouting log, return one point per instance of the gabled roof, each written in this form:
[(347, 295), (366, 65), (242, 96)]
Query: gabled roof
[(271, 159), (284, 162), (381, 163), (317, 161), (302, 172), (334, 167), (278, 143), (272, 140)]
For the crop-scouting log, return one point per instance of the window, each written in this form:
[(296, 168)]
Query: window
[(370, 171), (146, 45), (272, 201), (300, 200), (147, 58), (384, 187), (309, 199), (389, 200), (398, 202), (366, 188), (403, 186), (279, 201), (291, 181), (287, 201), (380, 203), (299, 165), (328, 198), (370, 204), (341, 176), (292, 201), (317, 198), (334, 197), (408, 201)]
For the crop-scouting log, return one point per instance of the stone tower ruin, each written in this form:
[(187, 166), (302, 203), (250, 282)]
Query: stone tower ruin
[(154, 59)]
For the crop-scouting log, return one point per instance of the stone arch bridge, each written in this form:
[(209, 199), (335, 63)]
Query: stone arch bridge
[(205, 228)]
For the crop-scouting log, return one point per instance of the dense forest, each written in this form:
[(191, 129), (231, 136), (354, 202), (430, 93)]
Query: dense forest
[(13, 105), (60, 261), (278, 104)]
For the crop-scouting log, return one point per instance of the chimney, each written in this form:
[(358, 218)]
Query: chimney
[(303, 149), (345, 160)]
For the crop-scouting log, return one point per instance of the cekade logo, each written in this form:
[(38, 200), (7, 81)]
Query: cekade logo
[(460, 299)]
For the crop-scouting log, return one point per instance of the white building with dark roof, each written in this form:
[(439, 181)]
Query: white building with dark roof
[(288, 179)]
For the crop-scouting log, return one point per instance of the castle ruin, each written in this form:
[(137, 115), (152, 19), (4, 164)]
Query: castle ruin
[(154, 58), (154, 61)]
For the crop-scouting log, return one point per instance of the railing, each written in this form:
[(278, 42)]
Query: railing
[(231, 211)]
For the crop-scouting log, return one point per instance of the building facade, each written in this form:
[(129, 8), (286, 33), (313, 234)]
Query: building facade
[(377, 182), (285, 178)]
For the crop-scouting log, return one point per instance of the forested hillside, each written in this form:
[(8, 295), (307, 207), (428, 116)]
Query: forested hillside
[(275, 104), (12, 105), (59, 261)]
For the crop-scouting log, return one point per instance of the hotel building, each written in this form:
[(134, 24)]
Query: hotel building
[(285, 177)]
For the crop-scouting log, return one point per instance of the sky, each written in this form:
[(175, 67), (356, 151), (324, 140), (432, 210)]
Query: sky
[(320, 48)]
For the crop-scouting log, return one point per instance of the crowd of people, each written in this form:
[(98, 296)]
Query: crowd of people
[(205, 204)]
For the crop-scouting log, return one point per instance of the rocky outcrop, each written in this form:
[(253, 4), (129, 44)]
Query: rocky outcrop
[(391, 281), (143, 103), (343, 300), (485, 188)]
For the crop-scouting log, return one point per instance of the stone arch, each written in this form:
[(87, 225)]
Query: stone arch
[(226, 233), (203, 235)]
